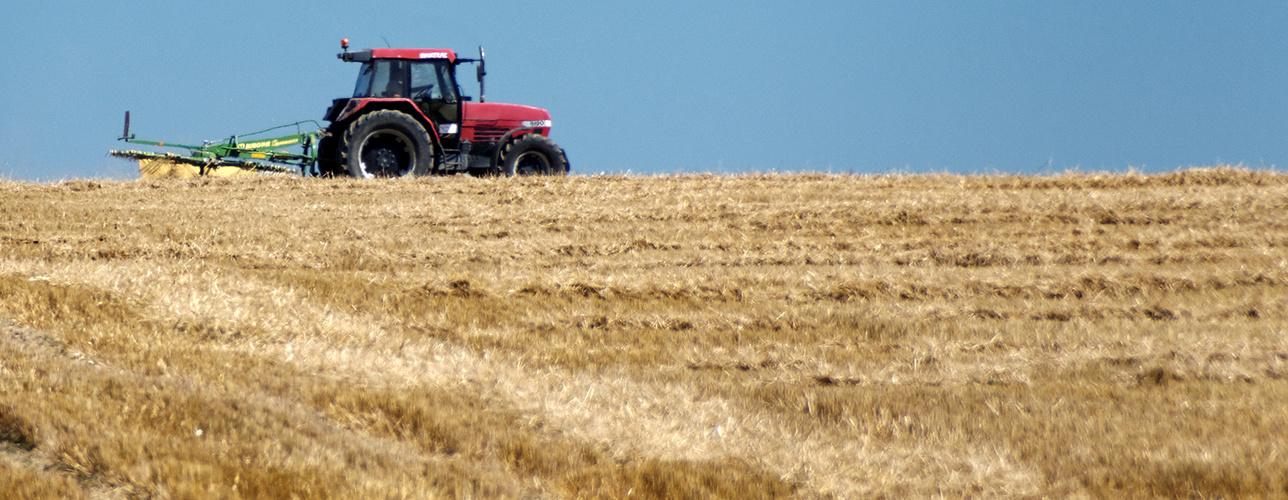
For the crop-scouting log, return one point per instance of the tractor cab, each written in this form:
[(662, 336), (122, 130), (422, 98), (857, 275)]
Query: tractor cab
[(426, 77)]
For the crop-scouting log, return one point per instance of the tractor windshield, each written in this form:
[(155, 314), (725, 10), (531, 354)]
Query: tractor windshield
[(382, 78)]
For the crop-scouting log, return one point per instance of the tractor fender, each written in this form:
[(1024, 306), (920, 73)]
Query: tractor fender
[(358, 107), (500, 145)]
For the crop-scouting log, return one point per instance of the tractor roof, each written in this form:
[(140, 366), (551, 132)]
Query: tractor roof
[(369, 54)]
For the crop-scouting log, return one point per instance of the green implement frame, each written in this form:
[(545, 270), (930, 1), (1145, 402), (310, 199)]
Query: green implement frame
[(246, 151)]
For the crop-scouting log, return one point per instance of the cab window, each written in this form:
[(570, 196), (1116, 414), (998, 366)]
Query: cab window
[(382, 78), (433, 80)]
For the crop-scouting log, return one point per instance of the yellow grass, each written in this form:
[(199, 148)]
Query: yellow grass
[(656, 337), (161, 168)]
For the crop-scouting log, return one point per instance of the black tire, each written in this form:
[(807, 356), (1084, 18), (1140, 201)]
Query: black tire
[(329, 164), (533, 154), (387, 143)]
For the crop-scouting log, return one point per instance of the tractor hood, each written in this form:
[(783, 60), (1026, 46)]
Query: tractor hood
[(492, 121), (506, 114)]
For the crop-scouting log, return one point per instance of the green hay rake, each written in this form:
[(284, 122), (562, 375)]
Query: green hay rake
[(245, 151)]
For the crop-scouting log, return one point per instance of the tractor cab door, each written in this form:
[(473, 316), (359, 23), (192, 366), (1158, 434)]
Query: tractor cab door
[(433, 89)]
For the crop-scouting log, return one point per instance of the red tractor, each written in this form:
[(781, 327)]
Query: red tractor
[(407, 117)]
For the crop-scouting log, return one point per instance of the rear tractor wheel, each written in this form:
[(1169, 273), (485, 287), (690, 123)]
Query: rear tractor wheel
[(533, 154), (387, 143)]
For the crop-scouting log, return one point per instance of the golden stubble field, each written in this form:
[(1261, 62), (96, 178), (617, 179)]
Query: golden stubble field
[(633, 337)]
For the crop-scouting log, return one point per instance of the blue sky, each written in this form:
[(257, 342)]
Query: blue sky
[(684, 86)]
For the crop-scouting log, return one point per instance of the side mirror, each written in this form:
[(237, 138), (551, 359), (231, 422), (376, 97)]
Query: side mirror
[(480, 71)]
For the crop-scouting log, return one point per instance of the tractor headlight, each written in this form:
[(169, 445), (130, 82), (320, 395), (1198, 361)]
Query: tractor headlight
[(536, 124)]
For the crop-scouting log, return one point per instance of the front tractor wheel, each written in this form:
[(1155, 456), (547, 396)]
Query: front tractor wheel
[(533, 154), (387, 143)]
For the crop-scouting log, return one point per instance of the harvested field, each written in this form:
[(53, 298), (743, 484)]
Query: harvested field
[(749, 336)]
